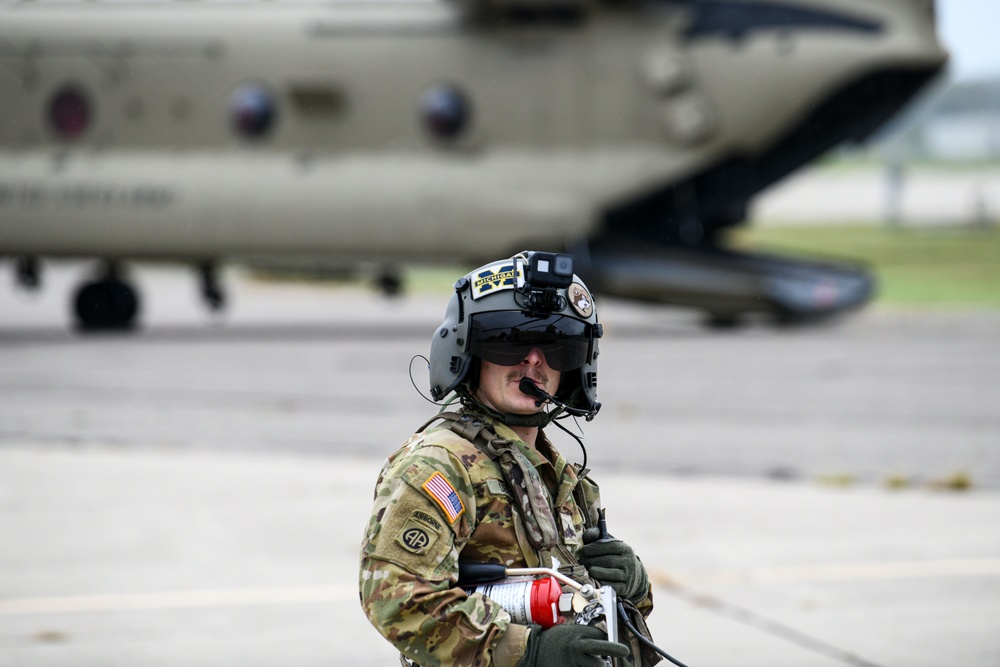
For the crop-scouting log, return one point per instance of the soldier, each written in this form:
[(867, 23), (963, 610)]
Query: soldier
[(518, 347)]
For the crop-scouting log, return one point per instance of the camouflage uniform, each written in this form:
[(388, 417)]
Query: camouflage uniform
[(420, 528)]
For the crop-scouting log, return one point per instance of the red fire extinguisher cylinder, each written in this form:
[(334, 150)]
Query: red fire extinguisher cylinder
[(528, 602)]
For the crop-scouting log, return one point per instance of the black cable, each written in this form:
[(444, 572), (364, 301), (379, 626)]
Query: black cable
[(624, 619), (414, 382), (579, 441)]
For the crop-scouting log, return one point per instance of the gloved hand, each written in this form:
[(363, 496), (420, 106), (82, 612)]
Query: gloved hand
[(613, 563), (570, 646)]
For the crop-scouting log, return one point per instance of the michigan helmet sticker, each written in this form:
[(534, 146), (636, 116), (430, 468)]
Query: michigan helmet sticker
[(495, 278), (581, 300)]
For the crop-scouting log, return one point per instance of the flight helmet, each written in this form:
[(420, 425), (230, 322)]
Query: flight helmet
[(502, 310)]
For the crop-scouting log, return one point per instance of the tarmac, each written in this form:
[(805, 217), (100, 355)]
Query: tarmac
[(123, 557), (195, 494)]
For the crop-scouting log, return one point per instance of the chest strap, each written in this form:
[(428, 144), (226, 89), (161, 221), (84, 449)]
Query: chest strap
[(471, 428)]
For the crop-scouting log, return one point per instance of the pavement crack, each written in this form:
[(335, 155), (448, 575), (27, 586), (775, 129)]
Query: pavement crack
[(764, 624)]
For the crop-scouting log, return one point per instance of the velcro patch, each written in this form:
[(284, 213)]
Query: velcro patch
[(419, 533), (445, 495), (497, 487)]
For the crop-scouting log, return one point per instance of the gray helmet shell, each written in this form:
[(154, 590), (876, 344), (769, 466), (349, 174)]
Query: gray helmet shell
[(509, 285)]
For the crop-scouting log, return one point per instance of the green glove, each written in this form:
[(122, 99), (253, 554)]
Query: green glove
[(570, 646), (613, 563)]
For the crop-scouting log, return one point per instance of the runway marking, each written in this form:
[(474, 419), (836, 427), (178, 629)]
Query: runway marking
[(241, 597), (791, 574)]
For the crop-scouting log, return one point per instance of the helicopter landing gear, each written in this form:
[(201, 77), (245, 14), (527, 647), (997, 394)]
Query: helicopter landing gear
[(390, 281), (211, 290), (28, 272)]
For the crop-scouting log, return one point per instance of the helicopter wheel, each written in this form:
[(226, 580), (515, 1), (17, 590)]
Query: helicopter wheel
[(106, 305), (723, 321), (390, 282)]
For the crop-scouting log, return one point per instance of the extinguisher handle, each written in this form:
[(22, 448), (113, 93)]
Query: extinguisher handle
[(473, 574)]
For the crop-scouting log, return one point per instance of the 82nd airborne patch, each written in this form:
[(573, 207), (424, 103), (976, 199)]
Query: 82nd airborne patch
[(419, 533)]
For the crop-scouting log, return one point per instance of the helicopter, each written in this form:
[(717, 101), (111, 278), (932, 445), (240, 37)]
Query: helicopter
[(633, 134)]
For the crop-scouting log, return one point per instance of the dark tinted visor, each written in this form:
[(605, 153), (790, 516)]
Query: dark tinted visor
[(506, 337)]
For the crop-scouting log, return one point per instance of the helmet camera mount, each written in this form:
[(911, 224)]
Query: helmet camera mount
[(547, 273)]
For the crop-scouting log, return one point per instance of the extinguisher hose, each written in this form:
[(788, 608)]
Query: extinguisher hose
[(624, 618)]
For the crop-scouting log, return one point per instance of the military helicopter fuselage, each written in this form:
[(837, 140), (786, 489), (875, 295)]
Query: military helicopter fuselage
[(199, 131)]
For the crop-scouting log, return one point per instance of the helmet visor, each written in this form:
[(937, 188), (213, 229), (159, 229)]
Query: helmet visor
[(506, 337)]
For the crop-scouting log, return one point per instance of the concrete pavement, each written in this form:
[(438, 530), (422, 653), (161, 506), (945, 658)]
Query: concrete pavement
[(902, 395), (113, 556)]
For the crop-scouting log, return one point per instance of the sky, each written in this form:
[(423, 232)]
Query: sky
[(969, 28)]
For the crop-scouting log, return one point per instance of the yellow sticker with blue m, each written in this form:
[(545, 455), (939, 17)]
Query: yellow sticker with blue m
[(496, 278)]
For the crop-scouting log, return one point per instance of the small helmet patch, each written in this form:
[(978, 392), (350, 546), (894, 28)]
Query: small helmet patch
[(496, 277), (581, 300)]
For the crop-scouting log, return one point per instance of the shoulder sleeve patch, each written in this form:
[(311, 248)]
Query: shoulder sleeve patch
[(443, 493), (419, 533)]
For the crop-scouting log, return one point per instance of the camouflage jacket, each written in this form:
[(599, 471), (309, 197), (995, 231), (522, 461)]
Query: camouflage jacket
[(440, 499)]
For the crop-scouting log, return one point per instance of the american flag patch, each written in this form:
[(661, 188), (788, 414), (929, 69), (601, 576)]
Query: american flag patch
[(444, 494)]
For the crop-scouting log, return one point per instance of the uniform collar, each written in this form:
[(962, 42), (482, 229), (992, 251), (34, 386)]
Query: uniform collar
[(552, 466)]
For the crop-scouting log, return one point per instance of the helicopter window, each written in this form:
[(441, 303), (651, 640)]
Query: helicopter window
[(736, 20), (252, 110), (69, 112), (445, 110)]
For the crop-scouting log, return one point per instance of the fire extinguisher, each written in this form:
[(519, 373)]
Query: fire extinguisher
[(542, 602), (528, 601)]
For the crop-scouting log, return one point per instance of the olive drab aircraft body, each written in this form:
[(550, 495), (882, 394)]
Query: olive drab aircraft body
[(630, 133)]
